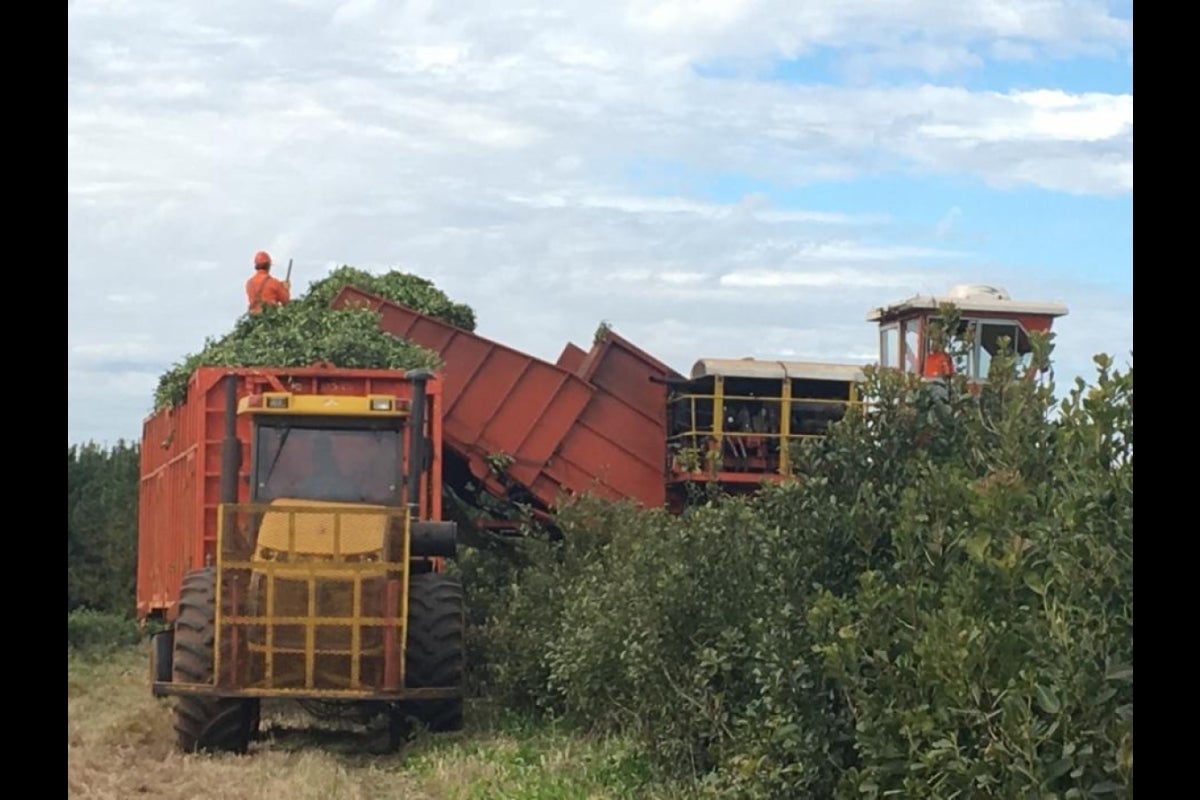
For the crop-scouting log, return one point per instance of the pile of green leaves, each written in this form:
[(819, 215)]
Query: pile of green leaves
[(402, 287), (307, 331), (941, 606)]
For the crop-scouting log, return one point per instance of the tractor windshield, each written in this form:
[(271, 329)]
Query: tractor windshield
[(340, 465)]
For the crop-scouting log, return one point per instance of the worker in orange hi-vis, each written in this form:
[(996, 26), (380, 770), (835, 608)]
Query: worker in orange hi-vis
[(938, 365), (264, 290)]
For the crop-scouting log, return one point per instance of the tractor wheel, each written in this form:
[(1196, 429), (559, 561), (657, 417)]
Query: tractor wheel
[(203, 722), (435, 652)]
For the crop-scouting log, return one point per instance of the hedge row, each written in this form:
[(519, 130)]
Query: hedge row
[(940, 606)]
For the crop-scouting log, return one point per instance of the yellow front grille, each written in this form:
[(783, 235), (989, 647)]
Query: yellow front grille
[(309, 598), (320, 532)]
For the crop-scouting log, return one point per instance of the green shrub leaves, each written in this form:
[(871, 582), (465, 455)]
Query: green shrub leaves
[(940, 606)]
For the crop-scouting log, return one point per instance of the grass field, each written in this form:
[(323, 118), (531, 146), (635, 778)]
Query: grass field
[(120, 744)]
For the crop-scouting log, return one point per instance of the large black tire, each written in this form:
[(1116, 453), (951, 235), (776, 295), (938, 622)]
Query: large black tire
[(203, 722), (435, 655)]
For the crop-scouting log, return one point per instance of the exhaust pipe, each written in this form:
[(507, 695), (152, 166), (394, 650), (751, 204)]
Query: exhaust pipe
[(416, 442), (231, 452), (231, 448)]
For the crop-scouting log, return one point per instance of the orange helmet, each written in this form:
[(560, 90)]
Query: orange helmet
[(262, 259)]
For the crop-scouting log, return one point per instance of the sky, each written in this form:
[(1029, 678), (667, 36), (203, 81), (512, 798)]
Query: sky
[(713, 178)]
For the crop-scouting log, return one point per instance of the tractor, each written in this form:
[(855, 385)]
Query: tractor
[(324, 580)]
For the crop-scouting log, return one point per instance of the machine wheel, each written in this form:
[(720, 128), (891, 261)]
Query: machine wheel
[(435, 652), (202, 722)]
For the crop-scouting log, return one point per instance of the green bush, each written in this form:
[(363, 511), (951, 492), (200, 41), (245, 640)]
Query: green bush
[(991, 653), (401, 287), (940, 606), (90, 631)]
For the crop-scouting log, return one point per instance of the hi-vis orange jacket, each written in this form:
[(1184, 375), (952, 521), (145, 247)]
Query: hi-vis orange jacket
[(262, 289)]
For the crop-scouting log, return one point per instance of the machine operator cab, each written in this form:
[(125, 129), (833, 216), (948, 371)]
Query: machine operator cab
[(734, 421), (986, 312)]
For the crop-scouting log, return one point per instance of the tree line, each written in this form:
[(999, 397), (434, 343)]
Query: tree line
[(102, 502)]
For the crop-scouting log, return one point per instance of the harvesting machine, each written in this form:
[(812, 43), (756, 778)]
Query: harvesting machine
[(615, 422)]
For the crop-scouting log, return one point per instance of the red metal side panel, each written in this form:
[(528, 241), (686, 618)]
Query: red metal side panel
[(626, 416), (571, 358), (170, 495), (169, 470), (628, 429), (180, 483), (1035, 322), (593, 422), (589, 456), (540, 434), (625, 371), (1031, 322), (529, 402), (464, 355), (498, 400), (497, 377)]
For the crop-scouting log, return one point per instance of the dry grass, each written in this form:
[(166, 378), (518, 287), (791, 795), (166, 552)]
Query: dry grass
[(120, 744)]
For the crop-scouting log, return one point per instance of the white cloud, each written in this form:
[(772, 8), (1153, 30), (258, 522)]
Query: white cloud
[(1051, 116), (124, 349), (676, 16), (1008, 50), (681, 278), (353, 11), (932, 58), (436, 56), (650, 206), (786, 28), (499, 150), (843, 278), (133, 298)]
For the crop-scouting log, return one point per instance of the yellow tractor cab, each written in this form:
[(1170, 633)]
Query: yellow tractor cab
[(988, 316)]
